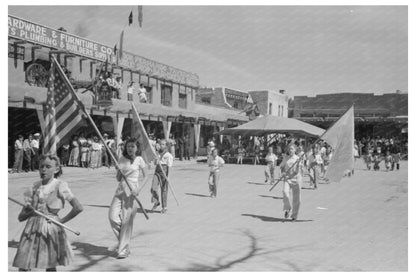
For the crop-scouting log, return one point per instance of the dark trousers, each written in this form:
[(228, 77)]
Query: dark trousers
[(34, 165), (181, 152), (159, 181), (186, 154), (105, 158), (18, 160), (27, 160)]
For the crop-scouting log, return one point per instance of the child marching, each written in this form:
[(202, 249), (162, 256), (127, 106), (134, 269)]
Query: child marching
[(271, 159), (123, 208), (214, 162), (43, 244), (164, 164)]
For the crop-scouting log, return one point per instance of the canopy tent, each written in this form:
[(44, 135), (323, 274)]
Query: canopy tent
[(273, 124)]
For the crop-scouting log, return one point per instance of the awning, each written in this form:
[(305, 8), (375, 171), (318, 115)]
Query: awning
[(273, 124)]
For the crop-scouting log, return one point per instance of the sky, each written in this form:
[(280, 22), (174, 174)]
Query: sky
[(305, 50)]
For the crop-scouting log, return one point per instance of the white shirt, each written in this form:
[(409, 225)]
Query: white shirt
[(34, 143), (130, 90), (215, 163), (167, 159), (131, 171)]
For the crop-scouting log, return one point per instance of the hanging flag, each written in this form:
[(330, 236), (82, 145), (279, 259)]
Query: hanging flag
[(62, 110), (120, 50), (138, 131), (140, 15), (131, 18), (341, 138), (115, 49)]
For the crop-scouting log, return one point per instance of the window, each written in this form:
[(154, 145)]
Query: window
[(149, 94), (235, 105), (278, 113), (166, 97), (182, 100), (270, 108), (206, 100)]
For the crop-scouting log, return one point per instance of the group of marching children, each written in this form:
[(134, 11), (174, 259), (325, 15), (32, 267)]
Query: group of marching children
[(44, 244), (374, 158)]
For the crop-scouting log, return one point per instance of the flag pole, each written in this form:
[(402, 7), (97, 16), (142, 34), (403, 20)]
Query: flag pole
[(304, 153), (45, 216), (105, 145), (158, 162)]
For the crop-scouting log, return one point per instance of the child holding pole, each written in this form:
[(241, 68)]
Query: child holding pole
[(271, 159), (43, 244), (214, 162), (159, 180), (123, 207)]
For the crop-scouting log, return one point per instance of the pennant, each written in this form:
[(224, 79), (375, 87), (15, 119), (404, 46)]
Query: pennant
[(120, 51), (341, 138), (140, 15), (131, 18), (62, 110), (138, 131)]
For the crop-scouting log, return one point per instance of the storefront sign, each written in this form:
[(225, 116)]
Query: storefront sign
[(32, 32), (38, 34), (162, 71)]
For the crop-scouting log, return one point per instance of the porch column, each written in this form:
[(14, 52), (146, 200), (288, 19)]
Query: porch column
[(166, 128), (197, 131), (41, 121), (118, 123), (221, 136)]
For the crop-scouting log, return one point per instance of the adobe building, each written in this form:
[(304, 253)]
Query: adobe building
[(171, 105), (375, 115)]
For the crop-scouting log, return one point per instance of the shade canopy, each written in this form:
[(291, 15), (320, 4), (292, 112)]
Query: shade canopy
[(273, 124)]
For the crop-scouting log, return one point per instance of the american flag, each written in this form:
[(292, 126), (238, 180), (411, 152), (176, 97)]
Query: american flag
[(62, 110)]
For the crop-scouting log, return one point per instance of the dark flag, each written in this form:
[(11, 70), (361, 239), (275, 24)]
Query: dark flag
[(120, 51), (140, 15), (62, 110), (131, 18), (115, 49)]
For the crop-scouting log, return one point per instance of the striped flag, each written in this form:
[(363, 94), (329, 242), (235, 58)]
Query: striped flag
[(140, 15), (62, 110), (341, 137), (138, 132)]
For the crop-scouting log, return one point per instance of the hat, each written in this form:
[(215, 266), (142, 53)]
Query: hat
[(36, 135), (105, 135)]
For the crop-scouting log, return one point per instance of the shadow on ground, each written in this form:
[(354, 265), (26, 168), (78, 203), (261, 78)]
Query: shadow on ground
[(196, 194), (253, 250), (275, 219), (97, 206), (88, 250), (259, 184), (270, 196)]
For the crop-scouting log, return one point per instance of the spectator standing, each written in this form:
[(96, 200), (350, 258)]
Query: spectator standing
[(142, 94), (74, 156), (270, 159), (35, 153), (130, 91), (172, 143), (18, 154), (27, 153), (214, 162), (187, 146)]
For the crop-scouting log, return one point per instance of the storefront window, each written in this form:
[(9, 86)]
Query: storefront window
[(166, 97), (182, 100)]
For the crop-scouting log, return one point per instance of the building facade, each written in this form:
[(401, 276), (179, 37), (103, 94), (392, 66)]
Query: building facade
[(171, 105), (271, 102), (375, 115)]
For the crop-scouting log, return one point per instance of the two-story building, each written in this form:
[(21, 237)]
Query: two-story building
[(171, 105)]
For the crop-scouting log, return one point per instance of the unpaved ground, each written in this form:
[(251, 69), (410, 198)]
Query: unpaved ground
[(359, 224)]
